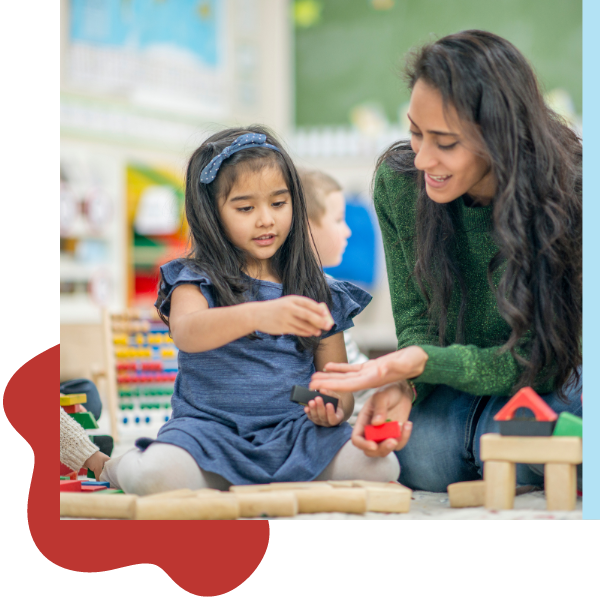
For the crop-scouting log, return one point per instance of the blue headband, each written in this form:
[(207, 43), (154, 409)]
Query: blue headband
[(248, 140)]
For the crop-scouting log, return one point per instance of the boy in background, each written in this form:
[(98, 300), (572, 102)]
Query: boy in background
[(326, 208)]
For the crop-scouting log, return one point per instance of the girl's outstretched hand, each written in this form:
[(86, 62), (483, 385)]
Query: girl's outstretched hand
[(393, 401), (323, 414), (396, 366), (96, 463), (291, 315)]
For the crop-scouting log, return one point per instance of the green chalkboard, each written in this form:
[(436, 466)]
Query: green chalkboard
[(353, 53)]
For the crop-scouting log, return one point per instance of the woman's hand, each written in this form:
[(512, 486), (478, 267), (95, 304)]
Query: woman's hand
[(292, 315), (394, 402), (396, 366), (96, 463), (323, 414)]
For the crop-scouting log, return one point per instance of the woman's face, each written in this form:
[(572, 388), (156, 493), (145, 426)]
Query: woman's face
[(443, 152)]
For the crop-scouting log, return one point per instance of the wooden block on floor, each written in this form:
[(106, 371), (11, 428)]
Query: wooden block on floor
[(466, 493), (98, 506), (350, 500), (71, 399), (532, 450), (363, 483), (209, 506), (560, 485), (388, 500), (273, 504), (500, 483), (279, 487)]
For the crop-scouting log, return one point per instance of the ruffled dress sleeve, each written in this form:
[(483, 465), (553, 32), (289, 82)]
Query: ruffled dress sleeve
[(348, 301), (176, 273)]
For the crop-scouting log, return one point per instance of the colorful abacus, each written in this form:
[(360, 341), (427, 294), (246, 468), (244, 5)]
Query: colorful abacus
[(146, 364)]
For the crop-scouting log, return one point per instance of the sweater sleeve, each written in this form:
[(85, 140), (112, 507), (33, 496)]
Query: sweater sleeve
[(408, 304), (469, 368), (75, 445)]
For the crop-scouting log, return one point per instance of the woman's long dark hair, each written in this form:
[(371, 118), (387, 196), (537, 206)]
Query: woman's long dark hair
[(535, 159), (213, 253)]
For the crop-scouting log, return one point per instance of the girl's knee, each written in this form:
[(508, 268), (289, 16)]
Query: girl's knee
[(385, 468), (159, 468)]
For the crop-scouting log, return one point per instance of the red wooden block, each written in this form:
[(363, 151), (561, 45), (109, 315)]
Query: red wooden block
[(378, 433), (526, 398), (91, 488), (70, 486)]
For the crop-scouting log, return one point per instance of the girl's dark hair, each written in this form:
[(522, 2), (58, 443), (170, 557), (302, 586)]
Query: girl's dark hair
[(535, 159), (213, 253)]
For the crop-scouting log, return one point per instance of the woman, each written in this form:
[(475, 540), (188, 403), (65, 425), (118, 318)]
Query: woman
[(481, 222)]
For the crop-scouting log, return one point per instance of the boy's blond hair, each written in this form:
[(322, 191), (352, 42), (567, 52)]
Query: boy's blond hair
[(317, 186)]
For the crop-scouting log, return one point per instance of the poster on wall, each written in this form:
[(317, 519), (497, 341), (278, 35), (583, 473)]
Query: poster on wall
[(162, 54), (156, 228)]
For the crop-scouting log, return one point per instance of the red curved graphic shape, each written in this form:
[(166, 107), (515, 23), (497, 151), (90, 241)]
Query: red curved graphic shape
[(206, 558)]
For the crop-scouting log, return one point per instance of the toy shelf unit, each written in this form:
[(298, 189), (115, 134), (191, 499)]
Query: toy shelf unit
[(146, 365)]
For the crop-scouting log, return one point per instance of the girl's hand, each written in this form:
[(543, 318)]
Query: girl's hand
[(96, 463), (393, 402), (292, 315), (396, 366), (323, 414)]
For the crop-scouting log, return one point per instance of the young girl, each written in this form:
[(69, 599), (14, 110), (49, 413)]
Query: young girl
[(252, 315), (480, 215)]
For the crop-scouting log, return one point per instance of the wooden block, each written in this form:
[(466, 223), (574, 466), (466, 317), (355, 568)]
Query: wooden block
[(278, 487), (209, 506), (388, 500), (379, 433), (353, 500), (536, 450), (183, 493), (274, 504), (560, 484), (71, 399), (526, 398), (98, 506), (104, 484), (568, 425), (86, 420), (500, 483), (466, 493), (70, 486), (91, 488)]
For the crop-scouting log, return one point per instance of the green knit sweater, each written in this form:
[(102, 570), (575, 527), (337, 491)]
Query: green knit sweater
[(477, 366)]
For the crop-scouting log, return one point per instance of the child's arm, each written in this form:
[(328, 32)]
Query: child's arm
[(196, 328), (318, 412)]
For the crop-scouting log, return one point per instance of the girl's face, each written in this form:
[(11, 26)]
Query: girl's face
[(331, 233), (257, 213), (450, 164)]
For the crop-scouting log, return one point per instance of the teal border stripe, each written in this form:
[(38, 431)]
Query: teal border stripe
[(591, 251)]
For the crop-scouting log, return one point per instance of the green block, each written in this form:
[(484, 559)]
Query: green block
[(568, 425), (64, 477), (108, 491), (86, 420)]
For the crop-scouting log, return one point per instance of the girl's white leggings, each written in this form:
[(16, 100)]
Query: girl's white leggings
[(163, 467)]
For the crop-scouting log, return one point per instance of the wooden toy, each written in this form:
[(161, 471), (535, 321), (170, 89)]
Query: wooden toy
[(568, 425), (91, 489), (378, 433), (86, 420), (274, 504), (541, 425), (70, 486), (72, 399), (283, 486), (302, 395), (346, 500), (208, 506), (96, 483), (466, 493), (388, 500), (559, 454), (98, 506)]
